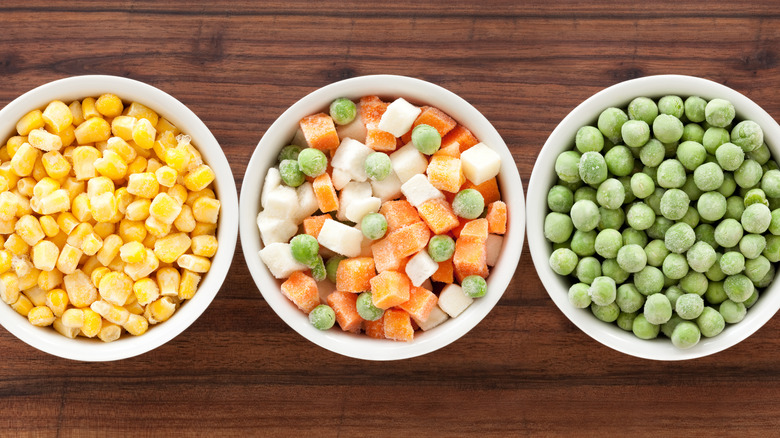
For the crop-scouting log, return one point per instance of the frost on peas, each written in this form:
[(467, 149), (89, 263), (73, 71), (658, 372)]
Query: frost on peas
[(714, 137), (642, 185), (734, 208), (675, 266), (652, 153), (732, 312), (608, 242), (567, 166), (671, 105), (686, 335), (689, 306), (757, 268), (756, 218), (710, 322), (560, 199), (711, 206), (748, 174), (729, 186), (378, 166), (691, 154), (611, 194), (289, 152), (474, 286), (728, 233), (620, 161), (563, 261), (715, 293), (586, 192), (611, 269), (770, 183), (674, 204), (657, 309), (426, 139), (656, 252), (579, 295), (366, 309), (585, 215), (469, 204), (649, 281), (583, 243), (628, 298), (671, 174), (589, 138), (608, 313), (643, 329), (762, 155), (312, 162), (291, 174), (343, 111), (747, 135), (592, 168), (626, 320), (772, 249), (694, 109), (442, 247), (755, 196), (708, 177), (632, 258), (644, 109), (691, 217), (588, 269), (738, 288), (635, 133), (611, 218), (667, 128), (603, 291), (719, 113), (715, 274), (679, 237), (640, 216), (701, 256), (752, 245), (373, 226), (706, 233), (610, 122), (634, 237), (668, 327), (693, 132), (322, 317)]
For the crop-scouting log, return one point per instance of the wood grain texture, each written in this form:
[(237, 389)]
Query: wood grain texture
[(525, 370)]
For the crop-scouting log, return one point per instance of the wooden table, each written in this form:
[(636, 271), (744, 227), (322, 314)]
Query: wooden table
[(525, 370)]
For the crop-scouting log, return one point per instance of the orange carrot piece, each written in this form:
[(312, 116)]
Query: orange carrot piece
[(313, 224), (488, 189), (375, 329), (460, 135), (438, 215), (445, 272), (470, 257), (420, 304), (320, 131), (301, 290), (451, 150), (345, 307), (379, 140), (371, 110), (409, 239), (399, 214), (398, 325), (496, 217), (354, 274), (434, 117), (390, 288), (327, 199), (445, 173), (478, 229)]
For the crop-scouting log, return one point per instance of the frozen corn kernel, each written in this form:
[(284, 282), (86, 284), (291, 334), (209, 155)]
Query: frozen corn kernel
[(68, 332), (97, 274), (186, 221), (144, 185), (206, 210), (22, 306), (67, 136), (7, 172), (156, 227), (60, 239), (44, 255), (110, 249), (122, 127), (194, 263), (138, 165), (144, 134), (199, 178), (8, 205), (73, 187), (136, 325), (92, 323), (78, 234), (178, 158), (188, 284), (161, 310), (132, 231), (202, 228), (205, 245), (146, 290), (110, 105), (179, 193), (68, 259), (111, 165), (30, 279), (103, 207), (138, 210), (67, 222), (73, 318), (115, 288), (48, 280), (143, 269), (36, 295), (21, 265), (133, 252), (83, 160), (91, 244), (57, 116), (169, 248), (80, 208), (16, 244), (5, 260), (49, 226), (103, 229), (38, 172), (23, 161), (163, 125), (29, 229), (88, 108), (40, 316), (109, 332), (57, 301), (9, 287), (166, 176), (45, 141), (93, 130), (32, 120), (99, 185), (90, 265), (140, 111), (164, 208), (26, 186), (45, 186), (152, 165), (76, 112), (112, 313), (150, 240), (133, 307), (168, 280)]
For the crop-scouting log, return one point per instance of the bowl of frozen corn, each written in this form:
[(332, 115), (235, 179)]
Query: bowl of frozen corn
[(390, 217), (656, 227), (117, 209)]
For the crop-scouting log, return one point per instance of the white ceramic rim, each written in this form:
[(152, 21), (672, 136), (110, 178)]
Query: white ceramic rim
[(94, 350), (543, 177), (419, 92)]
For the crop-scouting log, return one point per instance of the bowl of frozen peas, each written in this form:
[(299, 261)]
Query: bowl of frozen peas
[(389, 218), (118, 212), (656, 227)]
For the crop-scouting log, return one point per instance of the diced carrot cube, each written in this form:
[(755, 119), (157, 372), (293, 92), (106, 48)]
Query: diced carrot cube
[(355, 274), (327, 199), (460, 135), (488, 189), (445, 173), (451, 150), (478, 229), (434, 117), (379, 140), (470, 257), (496, 217), (399, 214), (409, 239), (344, 304), (301, 290), (445, 272), (313, 224), (385, 257), (371, 110), (438, 215), (398, 325), (390, 288), (320, 131), (456, 231), (421, 302), (375, 329)]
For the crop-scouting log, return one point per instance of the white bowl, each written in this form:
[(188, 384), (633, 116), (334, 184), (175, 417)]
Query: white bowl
[(79, 87), (543, 177), (390, 87)]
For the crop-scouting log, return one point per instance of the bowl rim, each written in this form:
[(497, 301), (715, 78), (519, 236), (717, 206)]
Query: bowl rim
[(413, 90), (542, 178), (82, 86)]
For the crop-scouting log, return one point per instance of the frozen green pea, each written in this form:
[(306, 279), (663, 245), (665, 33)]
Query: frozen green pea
[(626, 181), (757, 268), (669, 282), (675, 266), (559, 198), (626, 321), (322, 317), (654, 201), (567, 166), (644, 109), (774, 222), (711, 206), (607, 243), (762, 156), (668, 327), (735, 206), (701, 257), (373, 226), (588, 269), (755, 196), (694, 283), (652, 153), (730, 156), (671, 105), (713, 138), (442, 247), (694, 108), (732, 312), (691, 154), (752, 300), (318, 271), (332, 267), (611, 218), (710, 322), (589, 138), (586, 193), (706, 233), (756, 218), (690, 189), (628, 298), (640, 216), (708, 177), (635, 133), (571, 185), (679, 237), (693, 132), (475, 286), (610, 122), (671, 174), (748, 174), (632, 258), (611, 269), (366, 308), (667, 128), (689, 306), (289, 152), (469, 204), (738, 288), (770, 183), (652, 172), (715, 273), (691, 217), (603, 291), (584, 215), (642, 185), (312, 162), (686, 335), (608, 313), (426, 139), (670, 148), (649, 281), (729, 186), (752, 245), (772, 249), (719, 112), (305, 249), (634, 237), (715, 293), (593, 168), (656, 252), (342, 111), (674, 204), (610, 194), (620, 161), (643, 329), (657, 309), (747, 135), (378, 167), (579, 295), (728, 233), (764, 282), (673, 293), (583, 243), (291, 174)]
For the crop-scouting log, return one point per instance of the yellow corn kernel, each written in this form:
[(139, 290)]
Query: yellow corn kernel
[(202, 228), (109, 332), (84, 161), (160, 310), (122, 148), (5, 260), (146, 153), (99, 185), (43, 140), (7, 227), (146, 290), (73, 187), (138, 165), (97, 274), (26, 186), (48, 280), (30, 121), (188, 285), (110, 249), (164, 141), (9, 287), (90, 264), (3, 184), (80, 208), (92, 323), (8, 205), (186, 221), (57, 301), (68, 259), (45, 255), (204, 245), (60, 239), (88, 108), (23, 161), (45, 187), (179, 193), (29, 229), (55, 202), (163, 125), (49, 226), (93, 130), (81, 291), (199, 178), (144, 134), (68, 332), (150, 240), (40, 316), (136, 325), (194, 263), (122, 127), (104, 229), (144, 185), (156, 227), (13, 144), (115, 288), (164, 208), (110, 105), (166, 176), (132, 231), (138, 210), (23, 206), (57, 116), (73, 318), (168, 280), (30, 279), (103, 207), (193, 196), (78, 234), (140, 111), (22, 306), (133, 252), (16, 244), (75, 110), (111, 312), (67, 136), (91, 244), (143, 269), (206, 210), (7, 172), (117, 265), (178, 158), (21, 265), (171, 247), (67, 222), (111, 165)]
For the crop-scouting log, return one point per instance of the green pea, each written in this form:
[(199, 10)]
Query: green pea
[(291, 174), (628, 298), (474, 286), (626, 321), (442, 247), (557, 227), (644, 109), (289, 152), (679, 238), (378, 166), (708, 177), (715, 293), (343, 111), (305, 249), (610, 122), (579, 295), (608, 313), (322, 317), (318, 271), (649, 281), (686, 335), (694, 109), (643, 329), (366, 308), (713, 138), (710, 322), (588, 269), (719, 112), (610, 194), (332, 267), (426, 139), (610, 268), (671, 174), (691, 154), (560, 199), (667, 128), (468, 203), (671, 105), (312, 162), (589, 138), (657, 309), (620, 161), (635, 133), (732, 312), (729, 156), (747, 135), (592, 168), (652, 153), (373, 226), (567, 166)]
